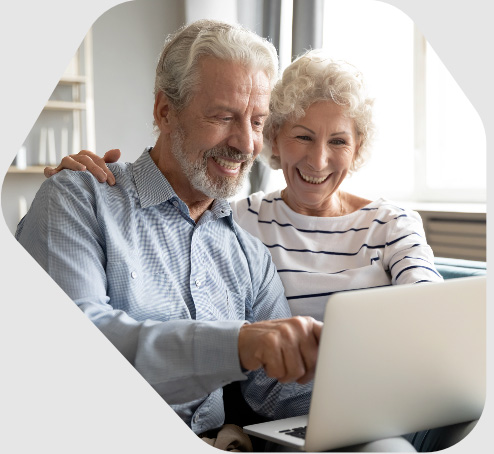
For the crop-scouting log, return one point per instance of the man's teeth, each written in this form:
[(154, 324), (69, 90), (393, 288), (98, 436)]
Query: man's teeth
[(227, 164), (313, 180)]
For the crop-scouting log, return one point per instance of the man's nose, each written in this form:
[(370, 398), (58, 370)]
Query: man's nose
[(242, 138)]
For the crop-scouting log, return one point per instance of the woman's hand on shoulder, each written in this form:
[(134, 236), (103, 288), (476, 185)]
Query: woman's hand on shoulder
[(87, 160)]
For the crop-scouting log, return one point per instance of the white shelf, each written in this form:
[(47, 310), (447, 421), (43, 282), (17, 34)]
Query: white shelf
[(28, 169), (66, 133), (65, 105), (75, 79)]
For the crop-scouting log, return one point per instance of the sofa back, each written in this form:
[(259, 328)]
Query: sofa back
[(455, 268)]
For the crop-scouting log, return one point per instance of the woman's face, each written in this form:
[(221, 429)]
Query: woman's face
[(316, 152)]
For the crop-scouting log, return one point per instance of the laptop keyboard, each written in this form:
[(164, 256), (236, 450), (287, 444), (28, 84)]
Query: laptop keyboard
[(298, 432)]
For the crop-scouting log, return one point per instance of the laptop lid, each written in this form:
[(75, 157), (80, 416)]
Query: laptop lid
[(396, 360)]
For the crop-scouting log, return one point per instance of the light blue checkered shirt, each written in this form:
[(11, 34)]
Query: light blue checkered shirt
[(170, 294)]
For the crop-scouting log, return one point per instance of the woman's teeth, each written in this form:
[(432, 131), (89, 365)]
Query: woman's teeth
[(227, 164), (313, 180)]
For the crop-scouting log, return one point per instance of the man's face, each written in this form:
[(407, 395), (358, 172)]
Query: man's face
[(219, 134)]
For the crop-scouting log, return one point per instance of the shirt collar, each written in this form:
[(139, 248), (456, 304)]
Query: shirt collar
[(221, 208), (153, 188)]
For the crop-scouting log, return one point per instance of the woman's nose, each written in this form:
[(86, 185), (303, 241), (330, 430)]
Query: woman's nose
[(317, 158)]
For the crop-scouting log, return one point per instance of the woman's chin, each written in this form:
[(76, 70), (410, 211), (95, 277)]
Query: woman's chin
[(314, 193), (311, 203)]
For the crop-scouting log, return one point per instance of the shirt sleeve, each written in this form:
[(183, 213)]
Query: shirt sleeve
[(62, 233), (407, 255), (266, 396)]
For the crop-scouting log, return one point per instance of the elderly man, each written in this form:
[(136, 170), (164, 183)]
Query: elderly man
[(156, 261)]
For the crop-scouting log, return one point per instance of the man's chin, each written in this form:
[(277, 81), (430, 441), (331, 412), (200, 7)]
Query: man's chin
[(225, 188)]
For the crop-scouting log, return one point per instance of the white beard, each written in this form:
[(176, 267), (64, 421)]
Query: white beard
[(197, 171)]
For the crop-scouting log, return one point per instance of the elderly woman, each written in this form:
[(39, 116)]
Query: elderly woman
[(322, 239)]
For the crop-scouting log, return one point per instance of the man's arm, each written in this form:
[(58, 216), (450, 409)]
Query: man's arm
[(267, 396), (63, 233)]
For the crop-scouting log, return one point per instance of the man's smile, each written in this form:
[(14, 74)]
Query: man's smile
[(227, 164)]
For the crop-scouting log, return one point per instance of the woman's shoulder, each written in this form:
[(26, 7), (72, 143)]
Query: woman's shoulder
[(388, 209), (258, 198), (254, 201)]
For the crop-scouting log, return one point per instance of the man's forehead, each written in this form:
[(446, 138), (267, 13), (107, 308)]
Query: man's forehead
[(224, 75)]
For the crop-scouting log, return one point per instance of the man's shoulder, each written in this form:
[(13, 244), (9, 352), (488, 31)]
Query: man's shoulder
[(253, 246), (85, 181)]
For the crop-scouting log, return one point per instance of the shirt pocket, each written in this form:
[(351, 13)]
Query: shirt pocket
[(220, 303), (142, 294)]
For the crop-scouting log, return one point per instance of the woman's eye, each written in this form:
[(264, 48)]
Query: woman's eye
[(303, 137), (338, 142)]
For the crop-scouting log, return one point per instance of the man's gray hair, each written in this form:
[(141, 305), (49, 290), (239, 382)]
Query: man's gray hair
[(177, 72), (315, 77)]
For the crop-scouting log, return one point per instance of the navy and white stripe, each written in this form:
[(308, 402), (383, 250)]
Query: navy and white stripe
[(380, 244)]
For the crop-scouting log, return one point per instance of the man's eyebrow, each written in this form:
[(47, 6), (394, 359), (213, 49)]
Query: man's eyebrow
[(226, 108)]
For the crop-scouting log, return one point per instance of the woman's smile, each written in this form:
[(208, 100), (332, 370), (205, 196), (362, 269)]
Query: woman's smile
[(316, 153), (311, 179)]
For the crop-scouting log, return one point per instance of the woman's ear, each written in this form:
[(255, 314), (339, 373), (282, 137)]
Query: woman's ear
[(357, 148), (162, 112), (274, 147)]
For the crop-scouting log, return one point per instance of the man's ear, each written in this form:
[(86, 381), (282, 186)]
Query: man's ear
[(163, 111)]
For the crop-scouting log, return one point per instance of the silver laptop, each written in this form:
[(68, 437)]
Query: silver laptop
[(392, 361)]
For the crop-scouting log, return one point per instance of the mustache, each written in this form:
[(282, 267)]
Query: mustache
[(229, 152)]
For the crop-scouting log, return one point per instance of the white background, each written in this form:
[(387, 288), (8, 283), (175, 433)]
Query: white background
[(63, 388)]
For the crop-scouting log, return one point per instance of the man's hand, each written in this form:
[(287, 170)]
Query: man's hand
[(90, 161), (286, 349)]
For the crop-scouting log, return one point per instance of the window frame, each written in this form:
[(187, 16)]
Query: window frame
[(420, 192)]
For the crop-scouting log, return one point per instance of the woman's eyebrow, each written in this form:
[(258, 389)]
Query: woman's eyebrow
[(311, 131), (340, 133), (303, 127)]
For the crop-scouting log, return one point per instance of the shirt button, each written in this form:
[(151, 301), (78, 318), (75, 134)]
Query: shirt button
[(196, 419), (198, 283), (133, 275), (175, 203)]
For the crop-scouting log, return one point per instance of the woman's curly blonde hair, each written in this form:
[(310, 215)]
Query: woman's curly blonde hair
[(315, 77)]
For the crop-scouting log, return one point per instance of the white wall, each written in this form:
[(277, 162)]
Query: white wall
[(127, 41), (211, 9)]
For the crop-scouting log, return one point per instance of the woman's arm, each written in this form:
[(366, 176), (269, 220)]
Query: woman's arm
[(87, 160)]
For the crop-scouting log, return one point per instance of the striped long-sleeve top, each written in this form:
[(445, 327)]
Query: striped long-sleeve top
[(378, 245)]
